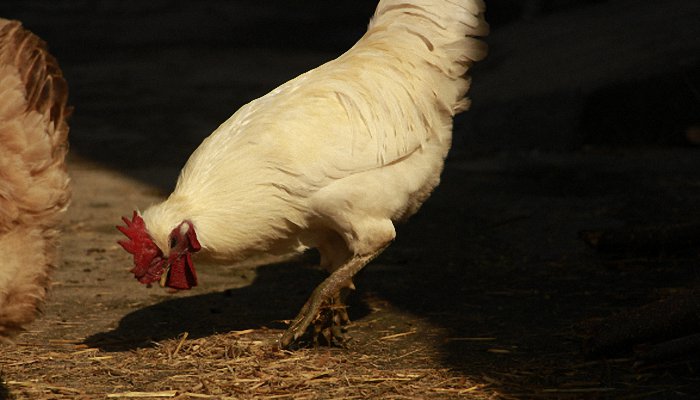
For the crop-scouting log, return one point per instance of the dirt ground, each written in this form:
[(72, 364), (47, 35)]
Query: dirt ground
[(483, 295)]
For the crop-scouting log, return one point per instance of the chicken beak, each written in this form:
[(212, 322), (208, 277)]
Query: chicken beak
[(164, 277)]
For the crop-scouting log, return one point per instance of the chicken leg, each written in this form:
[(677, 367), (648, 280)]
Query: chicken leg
[(325, 294)]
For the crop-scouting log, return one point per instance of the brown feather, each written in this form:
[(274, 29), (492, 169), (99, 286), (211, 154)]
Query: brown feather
[(34, 183)]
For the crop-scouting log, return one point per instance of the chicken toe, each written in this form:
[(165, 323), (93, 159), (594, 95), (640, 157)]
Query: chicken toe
[(329, 324), (318, 310), (325, 307)]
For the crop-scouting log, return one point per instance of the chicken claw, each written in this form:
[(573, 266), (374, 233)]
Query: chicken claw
[(319, 310), (326, 297)]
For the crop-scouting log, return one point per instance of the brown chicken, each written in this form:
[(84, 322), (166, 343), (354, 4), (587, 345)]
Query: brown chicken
[(34, 183)]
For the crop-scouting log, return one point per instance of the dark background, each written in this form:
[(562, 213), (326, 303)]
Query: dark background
[(585, 116), (150, 79)]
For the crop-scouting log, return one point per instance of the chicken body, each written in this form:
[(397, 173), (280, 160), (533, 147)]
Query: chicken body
[(34, 184), (333, 158)]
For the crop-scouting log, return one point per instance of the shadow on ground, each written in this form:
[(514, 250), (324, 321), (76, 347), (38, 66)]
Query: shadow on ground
[(277, 294), (4, 391)]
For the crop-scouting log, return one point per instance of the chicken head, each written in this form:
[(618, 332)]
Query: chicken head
[(176, 270)]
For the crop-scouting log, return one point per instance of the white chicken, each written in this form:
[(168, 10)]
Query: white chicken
[(34, 184), (329, 160)]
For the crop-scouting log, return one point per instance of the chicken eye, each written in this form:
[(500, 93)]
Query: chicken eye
[(173, 242)]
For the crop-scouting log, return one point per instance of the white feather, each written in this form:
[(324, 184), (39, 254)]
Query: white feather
[(362, 135)]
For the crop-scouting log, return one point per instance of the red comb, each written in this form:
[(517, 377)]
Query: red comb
[(148, 258)]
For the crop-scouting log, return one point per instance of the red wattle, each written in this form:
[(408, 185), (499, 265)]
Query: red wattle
[(182, 275)]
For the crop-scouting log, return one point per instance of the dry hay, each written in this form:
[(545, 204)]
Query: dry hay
[(386, 364), (237, 365)]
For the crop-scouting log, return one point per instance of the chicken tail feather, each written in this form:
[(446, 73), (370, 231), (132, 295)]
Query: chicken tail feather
[(442, 33)]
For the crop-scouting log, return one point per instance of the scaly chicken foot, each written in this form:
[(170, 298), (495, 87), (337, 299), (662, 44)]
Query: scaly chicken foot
[(328, 324), (324, 295)]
